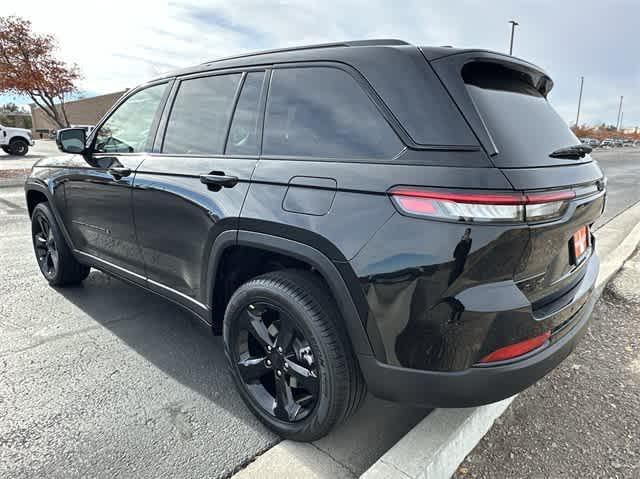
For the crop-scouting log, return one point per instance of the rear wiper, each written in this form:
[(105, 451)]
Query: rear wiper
[(571, 152)]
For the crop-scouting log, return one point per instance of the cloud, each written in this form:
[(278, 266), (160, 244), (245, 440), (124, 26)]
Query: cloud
[(123, 43)]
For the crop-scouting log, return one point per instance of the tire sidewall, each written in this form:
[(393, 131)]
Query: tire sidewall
[(325, 404)]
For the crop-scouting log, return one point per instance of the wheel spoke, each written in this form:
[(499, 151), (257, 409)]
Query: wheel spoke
[(285, 334), (48, 262), (53, 253), (285, 408), (304, 378), (44, 227), (258, 330), (252, 369)]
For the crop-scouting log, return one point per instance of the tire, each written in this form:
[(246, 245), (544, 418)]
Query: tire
[(19, 147), (6, 149), (53, 255), (316, 378)]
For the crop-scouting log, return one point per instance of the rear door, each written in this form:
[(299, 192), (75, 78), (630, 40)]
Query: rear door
[(191, 188), (505, 101)]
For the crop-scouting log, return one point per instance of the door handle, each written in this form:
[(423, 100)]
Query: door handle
[(119, 171), (219, 180)]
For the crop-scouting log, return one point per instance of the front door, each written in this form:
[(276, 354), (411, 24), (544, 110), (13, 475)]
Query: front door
[(98, 212), (193, 186)]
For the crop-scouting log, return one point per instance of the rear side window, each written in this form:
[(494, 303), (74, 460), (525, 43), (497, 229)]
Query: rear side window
[(245, 127), (200, 115), (523, 124), (323, 112)]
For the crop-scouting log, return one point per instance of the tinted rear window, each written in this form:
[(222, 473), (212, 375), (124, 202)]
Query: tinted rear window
[(523, 124), (200, 115), (322, 112)]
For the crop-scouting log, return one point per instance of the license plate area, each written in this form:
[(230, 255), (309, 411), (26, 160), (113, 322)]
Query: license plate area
[(579, 245)]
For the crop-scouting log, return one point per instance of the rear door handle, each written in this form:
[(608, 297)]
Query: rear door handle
[(119, 171), (219, 180)]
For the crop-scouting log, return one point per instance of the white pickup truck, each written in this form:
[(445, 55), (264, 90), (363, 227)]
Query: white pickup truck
[(15, 141)]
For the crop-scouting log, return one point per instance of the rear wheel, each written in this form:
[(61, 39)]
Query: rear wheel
[(55, 259), (290, 356), (19, 147), (6, 149)]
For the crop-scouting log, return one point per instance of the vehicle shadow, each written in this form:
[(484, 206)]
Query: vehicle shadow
[(173, 340), (184, 348)]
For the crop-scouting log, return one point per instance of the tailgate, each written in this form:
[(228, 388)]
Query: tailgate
[(504, 99)]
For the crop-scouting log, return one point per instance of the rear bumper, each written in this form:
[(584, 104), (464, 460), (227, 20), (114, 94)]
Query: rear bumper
[(482, 384)]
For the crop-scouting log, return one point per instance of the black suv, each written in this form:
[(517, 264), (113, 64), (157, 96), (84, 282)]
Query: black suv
[(372, 214)]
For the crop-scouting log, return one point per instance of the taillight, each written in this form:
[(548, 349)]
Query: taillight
[(481, 206), (517, 349)]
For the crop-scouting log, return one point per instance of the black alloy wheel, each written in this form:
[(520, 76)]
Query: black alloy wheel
[(290, 354), (55, 259), (276, 362), (45, 246)]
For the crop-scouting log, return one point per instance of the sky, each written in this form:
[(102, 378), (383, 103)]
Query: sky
[(119, 44)]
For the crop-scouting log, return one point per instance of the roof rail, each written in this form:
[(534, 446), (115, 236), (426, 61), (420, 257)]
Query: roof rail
[(354, 43)]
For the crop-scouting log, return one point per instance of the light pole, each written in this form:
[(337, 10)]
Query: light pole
[(513, 29), (619, 113), (579, 100)]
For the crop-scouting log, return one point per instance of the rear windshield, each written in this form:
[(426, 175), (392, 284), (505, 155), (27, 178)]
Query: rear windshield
[(522, 123)]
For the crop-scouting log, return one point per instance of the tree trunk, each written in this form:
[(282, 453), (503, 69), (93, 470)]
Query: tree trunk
[(50, 112)]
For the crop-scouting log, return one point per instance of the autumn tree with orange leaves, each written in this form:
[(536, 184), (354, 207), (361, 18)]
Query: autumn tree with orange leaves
[(28, 66)]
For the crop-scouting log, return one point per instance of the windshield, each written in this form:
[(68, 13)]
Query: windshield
[(523, 124)]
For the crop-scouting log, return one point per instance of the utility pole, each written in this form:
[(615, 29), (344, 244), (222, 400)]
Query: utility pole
[(579, 100), (621, 116), (619, 113), (513, 29)]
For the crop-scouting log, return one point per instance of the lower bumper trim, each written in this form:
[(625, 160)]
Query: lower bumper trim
[(473, 386)]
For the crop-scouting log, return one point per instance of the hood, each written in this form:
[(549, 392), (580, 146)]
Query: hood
[(11, 129)]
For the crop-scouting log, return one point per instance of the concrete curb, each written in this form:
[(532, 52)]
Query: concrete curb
[(439, 443)]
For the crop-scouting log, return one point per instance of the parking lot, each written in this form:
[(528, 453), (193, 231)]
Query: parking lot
[(107, 380)]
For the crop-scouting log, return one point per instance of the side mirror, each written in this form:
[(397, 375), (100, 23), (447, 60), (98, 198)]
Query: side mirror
[(71, 140)]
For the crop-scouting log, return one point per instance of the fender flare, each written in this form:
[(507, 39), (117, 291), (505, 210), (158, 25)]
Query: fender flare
[(19, 137), (327, 269), (41, 187)]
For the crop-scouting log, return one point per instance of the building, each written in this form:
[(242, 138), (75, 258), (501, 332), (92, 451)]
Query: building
[(15, 119), (86, 111), (631, 131)]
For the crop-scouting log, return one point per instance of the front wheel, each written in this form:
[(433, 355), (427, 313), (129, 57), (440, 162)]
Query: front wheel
[(290, 355), (54, 257), (6, 149)]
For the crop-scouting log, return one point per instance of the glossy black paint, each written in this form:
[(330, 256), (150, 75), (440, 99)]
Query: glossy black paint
[(418, 297)]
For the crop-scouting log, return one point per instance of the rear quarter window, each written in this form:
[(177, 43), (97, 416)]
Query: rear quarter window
[(322, 112), (200, 114)]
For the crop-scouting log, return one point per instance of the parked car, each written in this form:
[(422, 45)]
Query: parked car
[(338, 236), (592, 142), (608, 143), (15, 141)]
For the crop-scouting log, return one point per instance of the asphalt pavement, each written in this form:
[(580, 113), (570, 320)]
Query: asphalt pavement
[(107, 380), (622, 168)]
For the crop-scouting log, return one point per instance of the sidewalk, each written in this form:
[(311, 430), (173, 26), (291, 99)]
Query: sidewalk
[(583, 420)]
